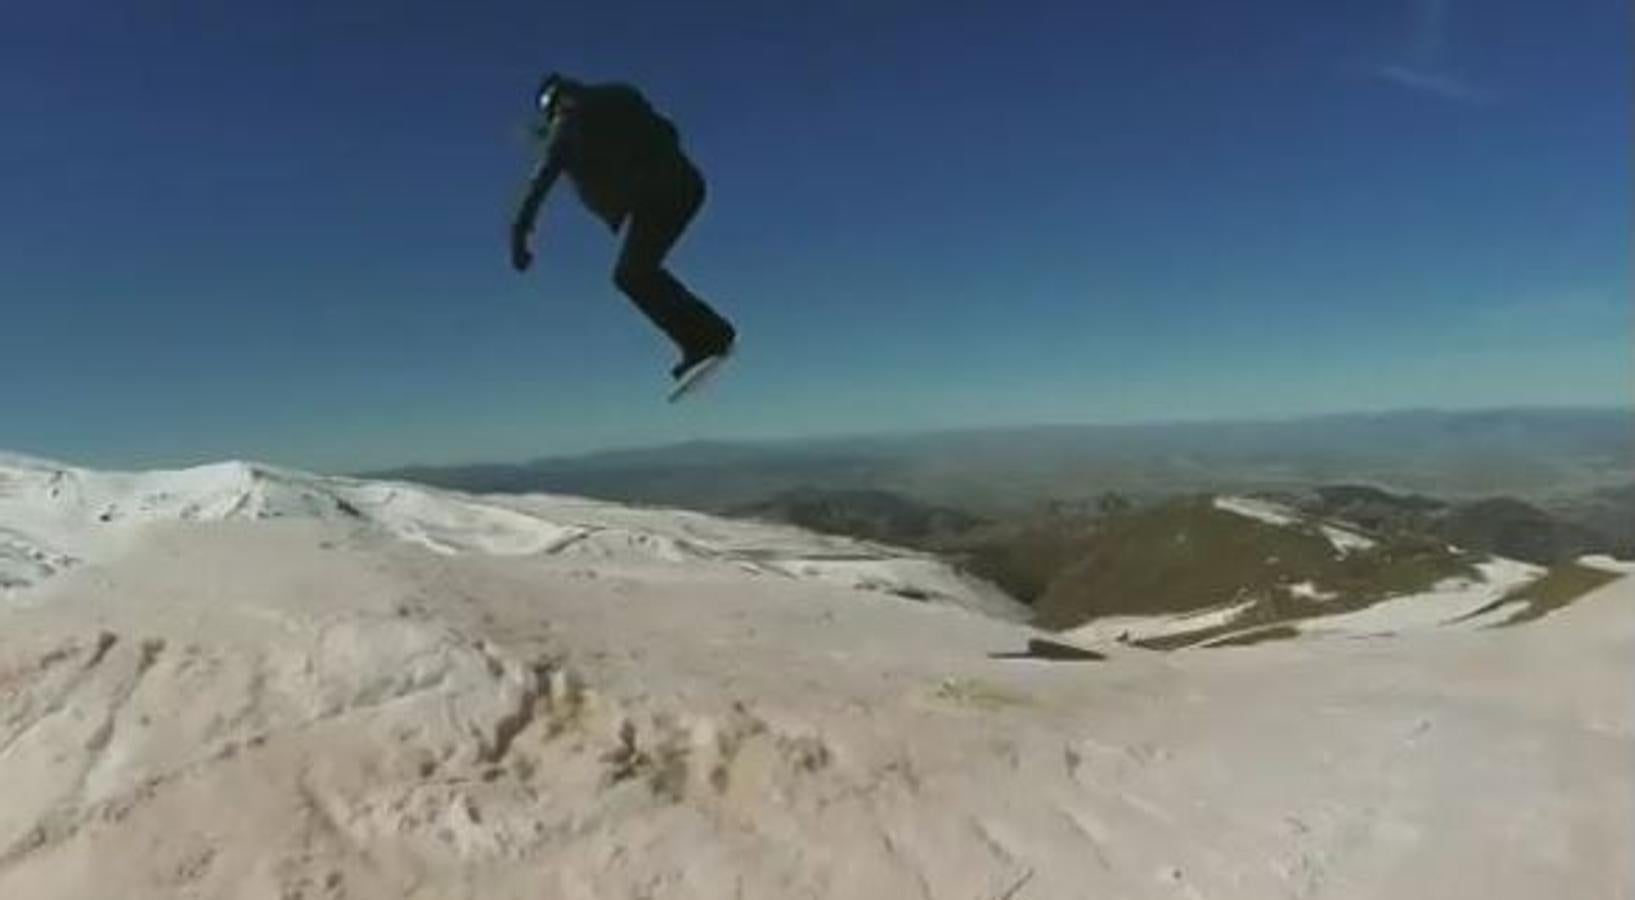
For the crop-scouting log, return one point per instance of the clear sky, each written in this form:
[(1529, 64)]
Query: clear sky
[(278, 230)]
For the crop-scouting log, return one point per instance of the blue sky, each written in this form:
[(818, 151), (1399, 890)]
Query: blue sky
[(278, 231)]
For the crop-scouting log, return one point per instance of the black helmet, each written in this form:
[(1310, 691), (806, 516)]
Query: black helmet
[(550, 88)]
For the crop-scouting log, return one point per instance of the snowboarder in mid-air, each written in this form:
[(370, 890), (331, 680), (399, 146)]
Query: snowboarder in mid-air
[(626, 162)]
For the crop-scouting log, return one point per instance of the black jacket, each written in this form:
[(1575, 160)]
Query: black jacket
[(612, 145)]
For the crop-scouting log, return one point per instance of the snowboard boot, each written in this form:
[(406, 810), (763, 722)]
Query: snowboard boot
[(693, 357)]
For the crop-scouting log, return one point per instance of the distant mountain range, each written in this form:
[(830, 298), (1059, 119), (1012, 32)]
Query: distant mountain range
[(1556, 458)]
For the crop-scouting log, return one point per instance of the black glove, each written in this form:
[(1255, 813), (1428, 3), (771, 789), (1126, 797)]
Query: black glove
[(521, 256)]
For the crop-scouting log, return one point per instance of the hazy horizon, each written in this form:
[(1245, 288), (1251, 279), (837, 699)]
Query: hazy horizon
[(1131, 423), (771, 440)]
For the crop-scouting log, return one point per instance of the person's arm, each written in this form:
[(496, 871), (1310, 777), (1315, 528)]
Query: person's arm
[(545, 174)]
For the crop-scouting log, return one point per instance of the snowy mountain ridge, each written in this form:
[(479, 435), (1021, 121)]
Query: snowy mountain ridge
[(53, 517)]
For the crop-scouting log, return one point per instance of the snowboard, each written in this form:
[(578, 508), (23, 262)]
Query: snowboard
[(698, 375)]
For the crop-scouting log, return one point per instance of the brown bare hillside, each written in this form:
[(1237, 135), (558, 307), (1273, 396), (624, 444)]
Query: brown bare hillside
[(1188, 555)]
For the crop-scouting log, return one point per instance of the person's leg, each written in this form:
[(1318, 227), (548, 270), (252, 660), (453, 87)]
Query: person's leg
[(653, 228)]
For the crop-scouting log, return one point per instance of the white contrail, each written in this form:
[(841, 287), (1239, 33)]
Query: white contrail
[(1420, 67), (1432, 83)]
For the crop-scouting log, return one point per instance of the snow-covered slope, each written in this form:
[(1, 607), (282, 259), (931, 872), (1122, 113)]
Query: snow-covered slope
[(53, 517), (1345, 540), (353, 702)]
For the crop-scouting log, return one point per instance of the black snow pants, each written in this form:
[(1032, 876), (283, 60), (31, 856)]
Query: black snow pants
[(665, 204)]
